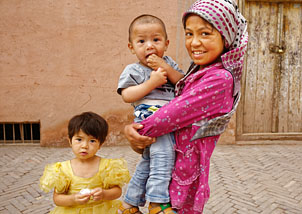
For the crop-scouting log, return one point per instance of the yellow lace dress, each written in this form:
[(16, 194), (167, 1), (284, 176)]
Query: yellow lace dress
[(112, 172)]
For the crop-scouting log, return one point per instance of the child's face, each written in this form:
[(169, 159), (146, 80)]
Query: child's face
[(147, 39), (84, 146), (203, 42)]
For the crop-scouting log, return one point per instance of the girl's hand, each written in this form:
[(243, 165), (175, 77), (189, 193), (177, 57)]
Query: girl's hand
[(81, 198), (135, 139), (97, 194)]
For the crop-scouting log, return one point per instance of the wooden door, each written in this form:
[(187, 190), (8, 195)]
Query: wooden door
[(271, 106)]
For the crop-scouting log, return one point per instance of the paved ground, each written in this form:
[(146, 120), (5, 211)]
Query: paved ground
[(244, 179)]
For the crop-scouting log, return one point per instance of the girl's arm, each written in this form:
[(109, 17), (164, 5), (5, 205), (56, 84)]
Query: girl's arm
[(106, 194), (137, 92), (70, 200)]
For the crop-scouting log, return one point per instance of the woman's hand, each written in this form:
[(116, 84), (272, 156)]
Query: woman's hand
[(138, 142)]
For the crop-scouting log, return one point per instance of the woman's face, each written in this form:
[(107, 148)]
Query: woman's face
[(203, 42)]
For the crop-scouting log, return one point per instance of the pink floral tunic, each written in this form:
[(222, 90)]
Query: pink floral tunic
[(203, 94)]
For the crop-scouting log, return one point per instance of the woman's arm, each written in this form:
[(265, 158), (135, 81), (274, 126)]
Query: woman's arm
[(206, 97), (137, 141)]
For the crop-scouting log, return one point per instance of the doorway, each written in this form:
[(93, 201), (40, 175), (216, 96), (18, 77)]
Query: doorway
[(271, 105)]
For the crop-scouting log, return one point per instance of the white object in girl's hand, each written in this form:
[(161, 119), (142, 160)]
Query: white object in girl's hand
[(85, 191)]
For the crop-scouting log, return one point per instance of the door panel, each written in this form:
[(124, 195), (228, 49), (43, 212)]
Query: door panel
[(290, 108), (272, 84)]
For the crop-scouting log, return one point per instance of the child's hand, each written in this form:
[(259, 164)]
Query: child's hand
[(81, 198), (158, 77), (97, 194), (155, 62)]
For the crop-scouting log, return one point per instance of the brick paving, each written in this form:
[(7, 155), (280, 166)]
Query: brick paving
[(244, 179)]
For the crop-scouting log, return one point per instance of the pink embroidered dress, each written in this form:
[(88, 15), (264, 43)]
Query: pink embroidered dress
[(201, 95)]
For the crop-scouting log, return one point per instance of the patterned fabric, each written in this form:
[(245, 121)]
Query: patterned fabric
[(226, 18), (143, 111), (204, 103), (203, 93), (208, 127), (217, 125)]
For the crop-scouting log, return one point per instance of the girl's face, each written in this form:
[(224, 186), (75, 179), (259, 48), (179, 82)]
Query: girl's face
[(203, 42), (84, 146)]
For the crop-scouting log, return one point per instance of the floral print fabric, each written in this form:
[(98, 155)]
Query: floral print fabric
[(205, 93)]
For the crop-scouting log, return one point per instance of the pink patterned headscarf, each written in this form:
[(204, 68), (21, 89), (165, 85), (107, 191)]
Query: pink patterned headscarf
[(226, 18)]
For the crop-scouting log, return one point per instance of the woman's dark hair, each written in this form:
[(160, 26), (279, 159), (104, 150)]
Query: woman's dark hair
[(90, 123)]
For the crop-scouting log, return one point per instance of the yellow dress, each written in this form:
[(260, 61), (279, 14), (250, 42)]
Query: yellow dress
[(112, 172)]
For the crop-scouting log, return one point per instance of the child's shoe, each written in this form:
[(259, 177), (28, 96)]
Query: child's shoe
[(131, 210), (161, 209)]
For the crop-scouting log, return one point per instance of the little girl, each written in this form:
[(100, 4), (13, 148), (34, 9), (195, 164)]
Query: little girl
[(88, 183), (216, 40)]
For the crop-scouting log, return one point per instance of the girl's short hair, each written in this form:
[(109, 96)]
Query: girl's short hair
[(90, 123)]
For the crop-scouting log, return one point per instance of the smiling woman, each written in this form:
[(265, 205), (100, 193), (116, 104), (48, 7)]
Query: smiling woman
[(203, 42)]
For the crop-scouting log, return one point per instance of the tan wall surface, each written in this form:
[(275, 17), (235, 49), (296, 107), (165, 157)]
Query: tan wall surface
[(60, 58)]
